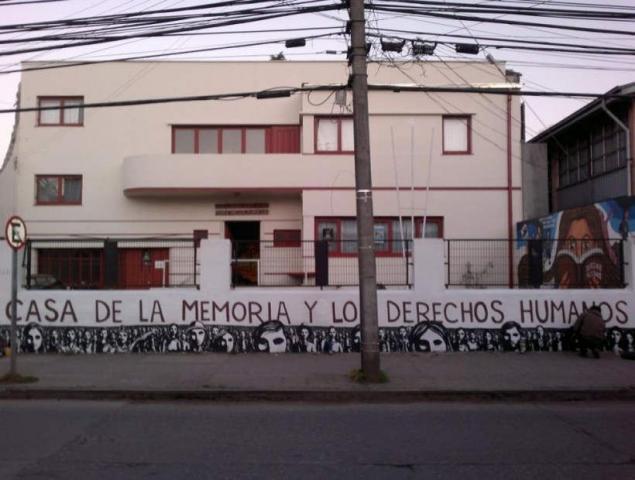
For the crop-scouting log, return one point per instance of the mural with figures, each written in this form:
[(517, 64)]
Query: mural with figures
[(275, 337), (576, 248)]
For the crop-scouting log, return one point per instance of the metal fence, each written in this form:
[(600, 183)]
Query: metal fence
[(565, 263), (138, 263), (316, 263)]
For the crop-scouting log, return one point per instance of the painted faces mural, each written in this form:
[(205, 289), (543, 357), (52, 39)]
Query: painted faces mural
[(576, 248), (275, 337)]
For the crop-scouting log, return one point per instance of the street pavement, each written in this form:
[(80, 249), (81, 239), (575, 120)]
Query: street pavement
[(173, 440), (413, 376)]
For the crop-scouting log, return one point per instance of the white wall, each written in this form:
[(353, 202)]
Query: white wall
[(121, 151)]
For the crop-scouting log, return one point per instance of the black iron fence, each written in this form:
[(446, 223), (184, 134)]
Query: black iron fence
[(564, 263), (99, 263), (317, 263)]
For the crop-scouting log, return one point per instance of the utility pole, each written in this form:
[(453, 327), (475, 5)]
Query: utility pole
[(364, 197)]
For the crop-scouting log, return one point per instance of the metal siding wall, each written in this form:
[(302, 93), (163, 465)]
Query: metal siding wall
[(600, 188)]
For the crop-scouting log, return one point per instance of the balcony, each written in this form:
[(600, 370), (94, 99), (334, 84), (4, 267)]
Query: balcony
[(200, 175)]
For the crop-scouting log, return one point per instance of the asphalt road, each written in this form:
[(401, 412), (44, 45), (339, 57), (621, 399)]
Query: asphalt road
[(120, 440)]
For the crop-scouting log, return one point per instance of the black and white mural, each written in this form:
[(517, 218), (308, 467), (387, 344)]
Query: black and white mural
[(276, 337)]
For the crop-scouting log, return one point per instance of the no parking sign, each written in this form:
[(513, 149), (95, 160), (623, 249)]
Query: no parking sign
[(15, 232)]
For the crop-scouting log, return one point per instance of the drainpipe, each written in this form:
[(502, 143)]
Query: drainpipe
[(629, 156), (510, 220)]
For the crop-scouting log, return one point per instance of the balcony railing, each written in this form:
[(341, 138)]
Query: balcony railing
[(317, 263)]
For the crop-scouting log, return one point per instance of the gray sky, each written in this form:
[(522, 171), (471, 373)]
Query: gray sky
[(540, 70)]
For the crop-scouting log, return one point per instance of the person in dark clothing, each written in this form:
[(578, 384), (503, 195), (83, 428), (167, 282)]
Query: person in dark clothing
[(589, 330)]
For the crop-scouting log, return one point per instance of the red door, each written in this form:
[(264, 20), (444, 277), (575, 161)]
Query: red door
[(144, 267)]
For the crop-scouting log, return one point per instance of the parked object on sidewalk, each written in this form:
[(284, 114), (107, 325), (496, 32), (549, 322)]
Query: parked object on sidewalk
[(589, 330)]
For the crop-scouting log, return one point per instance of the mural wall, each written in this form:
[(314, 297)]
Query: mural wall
[(576, 248), (217, 318), (275, 337)]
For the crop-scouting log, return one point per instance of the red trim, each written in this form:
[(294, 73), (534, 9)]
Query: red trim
[(469, 134), (211, 190), (62, 100), (339, 119), (60, 199)]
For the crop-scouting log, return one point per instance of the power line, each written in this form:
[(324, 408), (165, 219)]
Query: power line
[(161, 55), (287, 91)]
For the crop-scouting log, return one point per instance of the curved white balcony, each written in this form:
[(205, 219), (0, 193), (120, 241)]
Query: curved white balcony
[(184, 174)]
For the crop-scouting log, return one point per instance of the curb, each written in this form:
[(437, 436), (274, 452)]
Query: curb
[(627, 394)]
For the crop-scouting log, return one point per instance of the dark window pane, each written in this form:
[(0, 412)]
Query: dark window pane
[(232, 141), (208, 140), (47, 189), (255, 140), (183, 140), (72, 190)]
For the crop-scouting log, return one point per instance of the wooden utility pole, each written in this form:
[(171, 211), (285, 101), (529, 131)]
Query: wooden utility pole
[(364, 197)]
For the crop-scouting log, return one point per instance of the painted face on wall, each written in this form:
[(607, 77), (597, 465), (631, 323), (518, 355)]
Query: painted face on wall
[(272, 342), (197, 336), (173, 331), (305, 333), (616, 335), (512, 336), (579, 236), (34, 339), (229, 342), (430, 341)]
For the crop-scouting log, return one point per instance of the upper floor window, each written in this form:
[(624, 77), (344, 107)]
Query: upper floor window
[(61, 111), (334, 135), (58, 189), (457, 134), (236, 139)]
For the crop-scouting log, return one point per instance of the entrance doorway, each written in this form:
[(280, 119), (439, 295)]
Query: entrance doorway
[(245, 238)]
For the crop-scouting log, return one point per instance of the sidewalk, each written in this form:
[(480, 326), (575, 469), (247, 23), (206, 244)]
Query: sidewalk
[(306, 377)]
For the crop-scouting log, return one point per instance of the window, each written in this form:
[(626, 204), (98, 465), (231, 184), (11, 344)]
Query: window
[(58, 189), (457, 134), (203, 139), (334, 135), (387, 233), (61, 111), (287, 238), (72, 268)]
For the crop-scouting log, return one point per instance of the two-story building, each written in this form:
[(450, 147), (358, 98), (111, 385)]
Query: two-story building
[(105, 189)]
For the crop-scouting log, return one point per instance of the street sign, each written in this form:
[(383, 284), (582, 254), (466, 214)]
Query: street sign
[(15, 232)]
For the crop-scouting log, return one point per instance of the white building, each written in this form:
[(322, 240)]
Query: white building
[(275, 170)]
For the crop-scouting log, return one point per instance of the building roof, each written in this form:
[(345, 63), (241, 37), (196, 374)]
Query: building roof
[(609, 97)]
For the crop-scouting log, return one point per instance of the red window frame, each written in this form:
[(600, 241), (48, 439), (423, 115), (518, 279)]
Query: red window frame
[(61, 122), (287, 238), (469, 134), (339, 119), (60, 189), (269, 143), (336, 251)]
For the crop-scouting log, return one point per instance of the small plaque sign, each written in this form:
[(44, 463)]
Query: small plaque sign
[(234, 209)]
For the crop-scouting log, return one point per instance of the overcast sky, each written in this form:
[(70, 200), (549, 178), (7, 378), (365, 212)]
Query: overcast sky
[(540, 70)]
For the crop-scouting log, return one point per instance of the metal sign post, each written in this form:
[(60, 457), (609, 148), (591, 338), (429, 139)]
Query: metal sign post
[(16, 238)]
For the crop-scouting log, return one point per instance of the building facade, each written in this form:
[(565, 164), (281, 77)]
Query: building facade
[(272, 173), (588, 155)]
